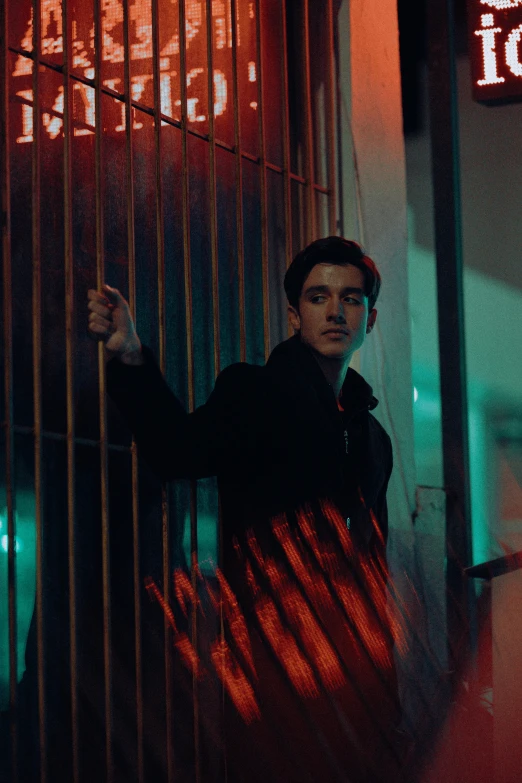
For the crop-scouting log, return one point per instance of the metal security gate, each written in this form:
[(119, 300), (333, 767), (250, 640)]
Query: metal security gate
[(182, 152)]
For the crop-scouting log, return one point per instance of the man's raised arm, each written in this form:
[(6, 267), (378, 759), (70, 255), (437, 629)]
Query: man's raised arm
[(176, 444)]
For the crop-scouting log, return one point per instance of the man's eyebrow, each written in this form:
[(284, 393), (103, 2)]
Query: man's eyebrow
[(324, 289)]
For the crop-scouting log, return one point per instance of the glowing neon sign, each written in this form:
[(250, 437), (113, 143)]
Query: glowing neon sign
[(141, 53), (495, 35)]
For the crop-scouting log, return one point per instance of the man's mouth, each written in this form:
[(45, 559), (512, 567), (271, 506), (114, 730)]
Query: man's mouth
[(336, 331)]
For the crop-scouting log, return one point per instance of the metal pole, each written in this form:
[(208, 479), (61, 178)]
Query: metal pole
[(104, 462), (262, 167), (37, 393), (7, 324), (239, 185), (448, 244), (331, 106), (311, 228), (69, 373), (190, 359)]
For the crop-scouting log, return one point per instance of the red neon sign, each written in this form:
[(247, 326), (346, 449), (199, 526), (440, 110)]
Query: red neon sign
[(495, 36), (141, 51)]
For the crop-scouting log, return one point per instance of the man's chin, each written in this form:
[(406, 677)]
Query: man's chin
[(334, 352)]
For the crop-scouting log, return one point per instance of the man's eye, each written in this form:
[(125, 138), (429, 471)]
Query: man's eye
[(351, 300), (316, 299)]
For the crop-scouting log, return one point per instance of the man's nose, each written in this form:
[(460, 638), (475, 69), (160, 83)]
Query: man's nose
[(336, 311)]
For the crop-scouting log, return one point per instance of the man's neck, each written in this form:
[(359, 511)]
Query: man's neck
[(334, 370)]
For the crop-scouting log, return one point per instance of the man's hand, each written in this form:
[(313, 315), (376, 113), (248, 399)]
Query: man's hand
[(110, 320)]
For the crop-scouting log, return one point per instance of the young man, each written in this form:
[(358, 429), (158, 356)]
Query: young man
[(302, 468)]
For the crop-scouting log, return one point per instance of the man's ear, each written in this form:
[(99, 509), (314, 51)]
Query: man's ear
[(370, 323), (293, 317)]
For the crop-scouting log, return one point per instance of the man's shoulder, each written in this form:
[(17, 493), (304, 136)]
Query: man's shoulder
[(241, 372), (240, 379)]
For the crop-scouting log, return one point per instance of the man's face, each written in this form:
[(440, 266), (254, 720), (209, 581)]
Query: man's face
[(333, 317)]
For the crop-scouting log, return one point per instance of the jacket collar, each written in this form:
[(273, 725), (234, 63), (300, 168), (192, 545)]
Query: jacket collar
[(293, 358)]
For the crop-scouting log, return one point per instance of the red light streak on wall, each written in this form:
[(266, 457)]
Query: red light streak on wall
[(332, 615), (364, 601), (301, 621), (184, 591), (317, 647), (140, 50), (181, 641), (236, 621), (235, 681), (332, 514), (311, 579), (285, 648)]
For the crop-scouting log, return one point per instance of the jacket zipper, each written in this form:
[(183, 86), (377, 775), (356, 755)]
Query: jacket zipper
[(346, 441)]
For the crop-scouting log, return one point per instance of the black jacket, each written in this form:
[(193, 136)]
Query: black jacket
[(277, 442), (272, 435)]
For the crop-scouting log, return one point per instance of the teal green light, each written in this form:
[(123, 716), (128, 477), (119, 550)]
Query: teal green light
[(25, 572), (479, 475)]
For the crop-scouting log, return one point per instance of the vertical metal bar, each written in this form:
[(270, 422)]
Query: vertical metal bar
[(137, 611), (8, 391), (330, 120), (214, 247), (212, 189), (69, 377), (287, 184), (190, 352), (310, 167), (160, 249), (104, 457), (287, 181), (262, 164), (37, 391), (448, 243), (239, 187)]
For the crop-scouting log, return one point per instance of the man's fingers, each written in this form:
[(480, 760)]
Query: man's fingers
[(99, 330), (102, 323), (97, 307), (113, 295), (97, 296)]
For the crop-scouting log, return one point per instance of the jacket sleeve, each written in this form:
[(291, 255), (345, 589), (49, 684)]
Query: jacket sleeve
[(177, 444)]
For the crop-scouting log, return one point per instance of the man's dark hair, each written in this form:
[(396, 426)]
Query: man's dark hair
[(331, 250)]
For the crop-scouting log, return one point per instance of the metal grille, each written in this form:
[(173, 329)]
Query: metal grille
[(182, 152)]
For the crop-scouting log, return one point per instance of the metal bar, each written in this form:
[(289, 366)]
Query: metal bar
[(287, 190), (19, 428), (212, 190), (37, 395), (309, 157), (8, 390), (69, 378), (331, 109), (160, 249), (262, 163), (213, 225), (446, 191), (287, 179), (129, 190), (190, 356), (239, 188), (104, 466)]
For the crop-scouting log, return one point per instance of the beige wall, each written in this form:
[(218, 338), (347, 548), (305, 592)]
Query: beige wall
[(375, 213)]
